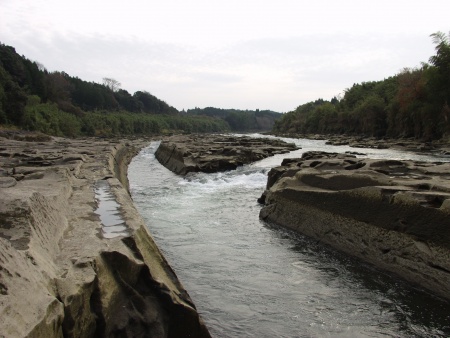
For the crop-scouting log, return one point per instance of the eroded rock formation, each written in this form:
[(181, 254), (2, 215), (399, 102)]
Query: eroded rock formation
[(393, 214), (183, 154), (60, 276)]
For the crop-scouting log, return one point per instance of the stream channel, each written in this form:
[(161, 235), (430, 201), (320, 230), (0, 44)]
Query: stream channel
[(253, 279)]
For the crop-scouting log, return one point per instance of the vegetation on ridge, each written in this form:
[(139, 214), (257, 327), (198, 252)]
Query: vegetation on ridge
[(241, 120), (413, 103), (56, 103)]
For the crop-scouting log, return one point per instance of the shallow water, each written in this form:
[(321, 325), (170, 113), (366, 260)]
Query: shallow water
[(252, 279), (108, 211)]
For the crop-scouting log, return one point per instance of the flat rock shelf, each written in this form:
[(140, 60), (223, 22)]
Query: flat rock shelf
[(76, 258), (183, 154), (393, 214)]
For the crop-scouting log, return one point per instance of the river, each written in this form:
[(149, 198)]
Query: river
[(253, 279)]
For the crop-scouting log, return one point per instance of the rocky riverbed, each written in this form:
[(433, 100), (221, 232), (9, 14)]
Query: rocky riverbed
[(393, 214), (213, 153), (76, 259)]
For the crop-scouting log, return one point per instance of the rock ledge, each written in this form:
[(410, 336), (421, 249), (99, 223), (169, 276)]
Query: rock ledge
[(393, 214), (59, 275), (183, 154)]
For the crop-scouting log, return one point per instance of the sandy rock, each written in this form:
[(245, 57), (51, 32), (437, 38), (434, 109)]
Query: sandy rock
[(59, 275), (7, 182), (393, 214), (74, 157)]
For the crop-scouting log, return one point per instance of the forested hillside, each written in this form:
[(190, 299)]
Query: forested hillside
[(241, 120), (413, 103), (56, 103)]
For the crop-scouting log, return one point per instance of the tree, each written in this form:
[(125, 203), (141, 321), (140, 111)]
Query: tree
[(442, 57), (439, 83), (111, 83), (12, 99), (441, 80), (59, 88), (150, 103), (12, 63), (127, 101)]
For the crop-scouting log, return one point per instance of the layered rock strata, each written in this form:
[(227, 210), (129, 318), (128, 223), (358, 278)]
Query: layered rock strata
[(183, 154), (60, 275), (393, 214)]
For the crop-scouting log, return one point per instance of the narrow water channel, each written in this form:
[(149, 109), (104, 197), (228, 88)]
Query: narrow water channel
[(253, 279)]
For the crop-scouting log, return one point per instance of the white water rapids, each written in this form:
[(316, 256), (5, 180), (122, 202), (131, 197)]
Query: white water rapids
[(252, 279)]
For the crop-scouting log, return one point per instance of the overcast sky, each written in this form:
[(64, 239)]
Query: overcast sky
[(243, 54)]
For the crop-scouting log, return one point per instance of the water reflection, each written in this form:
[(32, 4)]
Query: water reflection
[(112, 222)]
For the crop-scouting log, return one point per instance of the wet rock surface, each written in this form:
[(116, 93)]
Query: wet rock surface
[(61, 273), (213, 153), (393, 214)]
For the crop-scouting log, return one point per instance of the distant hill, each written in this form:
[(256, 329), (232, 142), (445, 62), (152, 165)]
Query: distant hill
[(56, 103), (241, 120)]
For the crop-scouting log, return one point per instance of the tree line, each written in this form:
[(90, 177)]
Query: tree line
[(411, 104), (56, 103), (241, 120)]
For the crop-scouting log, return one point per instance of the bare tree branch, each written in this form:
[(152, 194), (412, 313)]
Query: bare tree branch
[(112, 84)]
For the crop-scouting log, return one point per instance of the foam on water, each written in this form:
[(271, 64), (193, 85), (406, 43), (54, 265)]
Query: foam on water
[(242, 178)]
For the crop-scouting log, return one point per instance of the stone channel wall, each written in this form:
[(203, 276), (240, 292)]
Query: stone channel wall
[(392, 214), (60, 277)]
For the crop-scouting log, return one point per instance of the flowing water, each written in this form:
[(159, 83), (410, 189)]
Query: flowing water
[(253, 279)]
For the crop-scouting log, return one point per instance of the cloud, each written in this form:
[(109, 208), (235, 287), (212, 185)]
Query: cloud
[(247, 55)]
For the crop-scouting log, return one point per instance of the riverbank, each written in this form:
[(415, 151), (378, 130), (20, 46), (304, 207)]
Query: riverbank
[(393, 214), (63, 272)]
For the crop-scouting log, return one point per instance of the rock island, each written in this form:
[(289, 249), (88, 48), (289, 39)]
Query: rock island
[(183, 154)]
